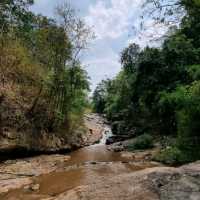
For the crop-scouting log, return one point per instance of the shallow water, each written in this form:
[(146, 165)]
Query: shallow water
[(96, 153), (86, 166)]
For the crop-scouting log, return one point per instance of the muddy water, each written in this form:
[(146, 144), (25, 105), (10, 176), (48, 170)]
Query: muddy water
[(95, 153), (86, 166)]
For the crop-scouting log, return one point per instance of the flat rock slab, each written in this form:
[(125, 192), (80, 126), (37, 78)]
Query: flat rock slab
[(116, 181), (17, 173), (159, 183)]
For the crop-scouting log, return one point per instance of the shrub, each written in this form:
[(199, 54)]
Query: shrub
[(173, 156), (188, 119), (187, 147), (141, 142)]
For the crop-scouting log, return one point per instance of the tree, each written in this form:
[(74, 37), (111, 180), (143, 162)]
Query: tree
[(129, 57), (169, 12), (39, 62), (14, 14), (158, 88), (75, 28), (79, 35)]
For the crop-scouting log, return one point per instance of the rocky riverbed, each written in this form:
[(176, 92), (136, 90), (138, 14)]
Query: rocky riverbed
[(98, 172), (40, 178)]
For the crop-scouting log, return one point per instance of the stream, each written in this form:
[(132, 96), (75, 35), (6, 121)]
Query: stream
[(85, 167)]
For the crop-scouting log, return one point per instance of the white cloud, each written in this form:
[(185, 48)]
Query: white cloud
[(101, 63), (151, 34), (112, 21), (102, 69)]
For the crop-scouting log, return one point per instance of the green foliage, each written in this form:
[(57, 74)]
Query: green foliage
[(37, 68), (157, 89), (129, 57), (171, 156), (185, 102), (179, 50), (141, 142), (100, 95), (194, 72), (14, 15), (188, 117)]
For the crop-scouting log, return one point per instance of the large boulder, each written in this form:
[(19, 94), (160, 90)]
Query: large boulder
[(117, 138)]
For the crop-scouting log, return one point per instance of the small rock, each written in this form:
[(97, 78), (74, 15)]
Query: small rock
[(66, 158), (118, 149), (128, 155), (35, 187), (27, 187)]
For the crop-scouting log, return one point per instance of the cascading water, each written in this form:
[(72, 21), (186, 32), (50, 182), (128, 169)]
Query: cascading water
[(107, 133)]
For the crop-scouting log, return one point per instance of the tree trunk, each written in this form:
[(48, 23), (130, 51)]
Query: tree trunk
[(31, 110)]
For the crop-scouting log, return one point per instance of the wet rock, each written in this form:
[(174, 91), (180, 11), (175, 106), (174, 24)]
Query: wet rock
[(19, 173), (110, 141), (8, 182), (117, 138)]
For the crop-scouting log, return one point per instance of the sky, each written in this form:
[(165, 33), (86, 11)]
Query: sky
[(112, 22)]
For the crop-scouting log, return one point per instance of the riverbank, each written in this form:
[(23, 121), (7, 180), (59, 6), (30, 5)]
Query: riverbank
[(98, 172), (12, 146), (20, 168)]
